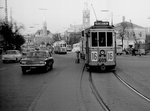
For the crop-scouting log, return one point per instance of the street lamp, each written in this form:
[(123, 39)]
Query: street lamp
[(44, 24), (43, 9), (33, 27), (105, 11), (148, 27)]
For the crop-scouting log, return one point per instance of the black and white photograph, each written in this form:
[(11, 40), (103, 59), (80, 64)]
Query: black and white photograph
[(74, 55)]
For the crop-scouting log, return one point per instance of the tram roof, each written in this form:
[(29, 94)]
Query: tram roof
[(100, 27)]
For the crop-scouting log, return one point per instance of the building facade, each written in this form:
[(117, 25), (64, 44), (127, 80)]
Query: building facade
[(131, 34)]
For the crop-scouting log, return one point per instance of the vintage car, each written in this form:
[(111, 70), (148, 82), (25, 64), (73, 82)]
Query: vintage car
[(11, 55), (40, 59)]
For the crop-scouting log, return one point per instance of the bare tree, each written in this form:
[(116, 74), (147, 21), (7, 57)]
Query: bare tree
[(11, 35), (123, 31)]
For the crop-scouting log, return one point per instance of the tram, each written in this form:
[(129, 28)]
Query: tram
[(99, 46), (60, 47)]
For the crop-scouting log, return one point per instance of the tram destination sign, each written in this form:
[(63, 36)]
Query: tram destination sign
[(101, 23)]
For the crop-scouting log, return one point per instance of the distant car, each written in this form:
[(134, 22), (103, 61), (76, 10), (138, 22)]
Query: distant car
[(11, 55), (69, 48), (142, 52), (26, 50), (119, 50), (37, 59)]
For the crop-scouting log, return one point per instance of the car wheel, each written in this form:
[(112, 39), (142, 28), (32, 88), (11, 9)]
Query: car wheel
[(46, 68), (24, 70), (51, 66), (4, 61), (16, 59)]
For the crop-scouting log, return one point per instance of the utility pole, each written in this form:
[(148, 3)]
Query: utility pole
[(11, 19), (6, 13)]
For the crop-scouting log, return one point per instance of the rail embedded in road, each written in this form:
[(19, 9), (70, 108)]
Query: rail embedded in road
[(97, 95), (131, 87)]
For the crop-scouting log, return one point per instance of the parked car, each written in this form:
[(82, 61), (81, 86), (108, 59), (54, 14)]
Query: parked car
[(11, 55), (142, 52), (38, 59), (119, 50)]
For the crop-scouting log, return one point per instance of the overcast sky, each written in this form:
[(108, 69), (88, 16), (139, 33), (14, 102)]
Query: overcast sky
[(59, 14)]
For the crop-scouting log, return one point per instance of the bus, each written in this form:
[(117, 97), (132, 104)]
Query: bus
[(60, 47)]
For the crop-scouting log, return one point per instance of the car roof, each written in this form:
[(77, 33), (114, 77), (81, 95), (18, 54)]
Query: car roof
[(12, 50), (39, 51)]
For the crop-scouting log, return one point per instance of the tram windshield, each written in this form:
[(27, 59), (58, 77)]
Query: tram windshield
[(94, 39), (62, 45), (109, 39), (102, 39)]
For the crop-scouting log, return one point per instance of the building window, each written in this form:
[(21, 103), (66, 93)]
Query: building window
[(140, 34)]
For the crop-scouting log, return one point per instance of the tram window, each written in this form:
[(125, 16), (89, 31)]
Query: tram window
[(102, 39), (94, 39), (109, 39)]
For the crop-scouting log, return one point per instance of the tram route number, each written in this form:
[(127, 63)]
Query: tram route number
[(110, 56), (94, 56)]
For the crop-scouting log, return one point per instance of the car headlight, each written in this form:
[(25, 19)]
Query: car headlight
[(23, 62), (42, 62), (3, 57)]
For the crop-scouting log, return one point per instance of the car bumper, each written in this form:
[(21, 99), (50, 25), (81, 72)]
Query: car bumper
[(33, 65), (9, 59)]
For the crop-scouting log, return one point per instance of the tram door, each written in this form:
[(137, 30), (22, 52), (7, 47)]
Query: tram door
[(87, 49)]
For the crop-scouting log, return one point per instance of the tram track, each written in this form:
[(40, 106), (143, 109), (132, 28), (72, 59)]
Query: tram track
[(94, 90), (131, 87), (100, 98), (96, 94)]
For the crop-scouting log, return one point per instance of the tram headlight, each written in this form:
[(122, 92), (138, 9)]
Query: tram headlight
[(102, 52)]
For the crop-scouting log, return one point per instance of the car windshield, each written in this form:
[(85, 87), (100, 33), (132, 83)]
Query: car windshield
[(36, 54), (11, 52)]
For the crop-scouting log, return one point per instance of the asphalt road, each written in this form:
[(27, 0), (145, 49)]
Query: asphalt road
[(134, 70), (66, 88), (57, 90), (17, 91)]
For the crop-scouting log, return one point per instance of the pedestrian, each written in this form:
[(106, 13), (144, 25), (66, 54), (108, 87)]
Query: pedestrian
[(139, 52), (78, 56), (133, 52)]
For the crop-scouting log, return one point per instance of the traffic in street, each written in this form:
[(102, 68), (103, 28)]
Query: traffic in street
[(74, 55), (68, 86)]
